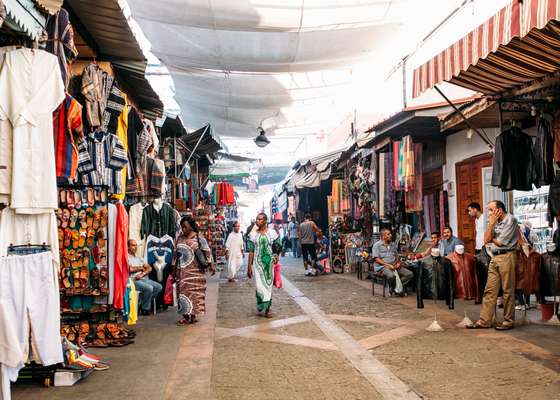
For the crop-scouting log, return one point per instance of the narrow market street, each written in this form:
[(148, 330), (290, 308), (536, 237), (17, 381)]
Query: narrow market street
[(329, 339)]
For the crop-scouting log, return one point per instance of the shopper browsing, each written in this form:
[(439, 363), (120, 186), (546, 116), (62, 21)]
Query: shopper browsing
[(384, 254), (307, 232), (501, 236), (139, 271)]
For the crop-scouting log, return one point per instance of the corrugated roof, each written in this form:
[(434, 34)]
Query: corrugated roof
[(106, 23)]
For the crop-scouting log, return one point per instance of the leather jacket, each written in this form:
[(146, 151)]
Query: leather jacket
[(550, 274), (514, 161), (528, 272), (543, 152)]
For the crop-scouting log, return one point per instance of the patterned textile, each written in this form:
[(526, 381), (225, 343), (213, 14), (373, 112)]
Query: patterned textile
[(68, 132), (413, 196), (191, 281), (155, 173), (61, 42), (92, 90), (158, 223), (261, 246), (115, 104), (108, 158)]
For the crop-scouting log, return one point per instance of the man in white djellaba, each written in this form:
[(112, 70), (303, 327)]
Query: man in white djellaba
[(234, 247)]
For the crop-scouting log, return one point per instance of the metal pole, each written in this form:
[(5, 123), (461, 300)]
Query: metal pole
[(483, 137), (195, 147)]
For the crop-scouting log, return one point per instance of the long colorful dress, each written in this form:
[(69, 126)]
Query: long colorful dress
[(260, 244), (191, 281)]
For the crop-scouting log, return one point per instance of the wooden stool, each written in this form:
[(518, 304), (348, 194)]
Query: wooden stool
[(375, 276)]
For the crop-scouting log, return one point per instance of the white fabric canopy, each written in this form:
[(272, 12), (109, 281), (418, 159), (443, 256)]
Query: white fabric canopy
[(295, 67)]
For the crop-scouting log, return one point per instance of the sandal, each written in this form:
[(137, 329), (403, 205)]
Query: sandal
[(75, 239), (70, 199), (78, 199), (182, 322), (83, 236), (62, 197), (503, 327), (478, 325), (91, 197)]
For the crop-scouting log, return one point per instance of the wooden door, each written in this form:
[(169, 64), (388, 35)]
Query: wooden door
[(469, 189)]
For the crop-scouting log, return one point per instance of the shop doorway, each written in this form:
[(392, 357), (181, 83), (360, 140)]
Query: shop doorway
[(470, 188)]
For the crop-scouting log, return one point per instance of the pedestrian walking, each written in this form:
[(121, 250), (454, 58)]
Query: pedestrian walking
[(263, 243), (234, 251), (189, 272), (307, 232)]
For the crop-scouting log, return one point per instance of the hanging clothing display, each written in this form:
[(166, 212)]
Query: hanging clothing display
[(528, 272), (513, 166), (111, 235), (68, 133), (61, 42), (107, 158), (158, 223), (30, 91), (29, 307), (556, 137), (543, 150), (155, 176), (550, 274), (121, 256), (414, 182), (135, 225), (22, 229), (122, 121), (553, 200)]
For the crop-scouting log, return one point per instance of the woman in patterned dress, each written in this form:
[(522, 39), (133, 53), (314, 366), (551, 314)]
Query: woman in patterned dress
[(260, 248), (191, 280)]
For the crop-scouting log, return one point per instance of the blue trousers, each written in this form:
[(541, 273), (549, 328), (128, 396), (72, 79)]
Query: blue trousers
[(148, 290)]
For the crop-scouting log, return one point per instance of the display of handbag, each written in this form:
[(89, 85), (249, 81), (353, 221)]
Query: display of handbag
[(203, 263)]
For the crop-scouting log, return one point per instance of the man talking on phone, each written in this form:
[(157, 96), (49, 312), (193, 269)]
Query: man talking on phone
[(500, 237)]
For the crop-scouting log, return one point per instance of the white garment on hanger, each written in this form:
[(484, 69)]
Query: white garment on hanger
[(134, 225), (21, 229), (31, 89), (30, 297), (5, 144)]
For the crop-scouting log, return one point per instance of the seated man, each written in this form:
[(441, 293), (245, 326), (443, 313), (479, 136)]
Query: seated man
[(139, 271), (384, 254), (433, 244), (322, 251), (448, 242)]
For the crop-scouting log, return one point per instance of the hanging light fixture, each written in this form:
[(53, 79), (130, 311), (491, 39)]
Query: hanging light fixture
[(261, 140)]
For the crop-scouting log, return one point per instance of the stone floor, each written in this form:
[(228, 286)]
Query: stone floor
[(329, 339)]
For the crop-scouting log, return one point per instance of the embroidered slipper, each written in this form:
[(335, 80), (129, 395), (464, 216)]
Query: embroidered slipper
[(75, 239), (103, 196), (73, 218), (67, 237), (85, 201), (96, 220), (62, 197), (83, 237), (70, 199), (91, 197), (77, 199)]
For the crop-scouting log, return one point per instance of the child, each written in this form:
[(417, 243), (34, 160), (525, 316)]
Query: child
[(277, 276)]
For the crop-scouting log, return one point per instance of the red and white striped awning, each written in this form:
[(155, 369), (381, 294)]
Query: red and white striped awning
[(517, 45)]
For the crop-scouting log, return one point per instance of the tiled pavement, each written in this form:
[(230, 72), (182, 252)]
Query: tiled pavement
[(330, 339)]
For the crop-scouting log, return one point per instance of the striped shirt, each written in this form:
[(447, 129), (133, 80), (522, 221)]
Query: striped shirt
[(107, 159)]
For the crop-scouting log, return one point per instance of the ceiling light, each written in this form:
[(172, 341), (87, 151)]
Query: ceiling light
[(261, 140)]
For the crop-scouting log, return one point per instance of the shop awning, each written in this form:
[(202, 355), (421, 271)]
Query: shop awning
[(132, 75), (225, 169), (208, 144), (315, 170), (519, 44), (23, 16), (421, 123)]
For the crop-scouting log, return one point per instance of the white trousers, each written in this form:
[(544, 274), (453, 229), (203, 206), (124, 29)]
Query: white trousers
[(30, 303)]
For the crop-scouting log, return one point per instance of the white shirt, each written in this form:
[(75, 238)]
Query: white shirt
[(479, 228), (31, 88), (134, 225)]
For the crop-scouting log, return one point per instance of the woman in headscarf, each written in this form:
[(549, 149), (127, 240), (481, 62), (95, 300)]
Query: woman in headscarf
[(189, 273), (263, 243)]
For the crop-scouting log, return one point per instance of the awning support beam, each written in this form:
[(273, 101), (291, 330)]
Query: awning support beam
[(484, 137), (194, 149)]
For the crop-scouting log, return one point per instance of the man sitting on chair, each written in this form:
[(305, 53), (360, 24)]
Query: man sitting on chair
[(139, 271), (384, 254)]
